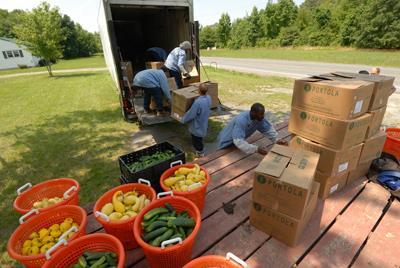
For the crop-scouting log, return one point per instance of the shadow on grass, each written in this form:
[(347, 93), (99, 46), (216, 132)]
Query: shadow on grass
[(71, 75), (83, 145)]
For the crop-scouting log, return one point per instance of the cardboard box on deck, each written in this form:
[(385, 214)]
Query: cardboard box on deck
[(331, 162), (127, 71), (338, 99), (190, 66), (361, 171), (330, 184), (154, 64), (331, 132), (383, 86), (283, 180), (279, 225), (373, 147), (212, 91), (182, 99), (376, 121)]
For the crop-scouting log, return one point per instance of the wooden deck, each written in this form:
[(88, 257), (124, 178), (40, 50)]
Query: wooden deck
[(358, 226)]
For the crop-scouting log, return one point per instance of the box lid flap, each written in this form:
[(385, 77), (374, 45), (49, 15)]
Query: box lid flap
[(275, 162)]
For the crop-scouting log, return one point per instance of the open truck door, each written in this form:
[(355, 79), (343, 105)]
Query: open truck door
[(194, 39)]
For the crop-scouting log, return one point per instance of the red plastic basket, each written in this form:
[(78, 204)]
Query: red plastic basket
[(197, 195), (44, 220), (123, 230), (63, 187), (230, 261), (174, 256), (392, 144), (70, 254)]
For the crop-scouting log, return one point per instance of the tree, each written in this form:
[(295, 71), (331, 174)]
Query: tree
[(254, 22), (240, 34), (224, 29), (7, 21), (380, 26), (40, 31), (208, 36)]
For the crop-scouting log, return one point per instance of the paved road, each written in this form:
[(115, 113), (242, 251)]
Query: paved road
[(55, 72), (295, 69)]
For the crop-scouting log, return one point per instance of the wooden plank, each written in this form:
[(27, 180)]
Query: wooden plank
[(220, 224), (339, 245), (242, 242), (276, 254), (92, 225), (382, 248)]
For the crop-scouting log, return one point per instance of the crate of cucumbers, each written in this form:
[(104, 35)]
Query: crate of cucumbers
[(149, 163)]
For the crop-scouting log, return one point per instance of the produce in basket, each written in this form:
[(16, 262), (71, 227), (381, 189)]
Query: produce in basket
[(125, 205), (96, 259), (165, 223), (149, 160), (46, 202), (41, 241), (186, 179)]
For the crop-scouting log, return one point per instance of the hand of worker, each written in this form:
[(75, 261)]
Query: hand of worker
[(187, 75), (262, 150)]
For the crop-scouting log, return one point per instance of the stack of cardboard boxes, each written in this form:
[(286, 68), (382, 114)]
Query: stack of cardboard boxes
[(339, 118), (284, 193)]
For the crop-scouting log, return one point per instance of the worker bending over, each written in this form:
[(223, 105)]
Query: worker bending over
[(175, 62), (154, 84), (197, 117), (243, 126)]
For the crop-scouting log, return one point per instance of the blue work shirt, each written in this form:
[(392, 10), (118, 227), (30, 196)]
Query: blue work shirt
[(176, 58), (152, 78), (197, 116), (242, 127)]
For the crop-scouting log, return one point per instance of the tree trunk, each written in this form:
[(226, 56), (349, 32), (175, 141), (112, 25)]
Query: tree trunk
[(48, 67)]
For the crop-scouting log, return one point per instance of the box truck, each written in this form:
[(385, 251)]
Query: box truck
[(129, 27)]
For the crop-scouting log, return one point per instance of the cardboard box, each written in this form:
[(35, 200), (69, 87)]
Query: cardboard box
[(172, 87), (280, 226), (172, 84), (331, 162), (190, 66), (383, 86), (212, 92), (331, 132), (330, 184), (361, 171), (154, 64), (373, 147), (127, 71), (338, 99), (376, 121), (182, 99), (283, 180)]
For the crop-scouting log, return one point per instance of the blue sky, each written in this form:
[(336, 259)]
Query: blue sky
[(85, 11)]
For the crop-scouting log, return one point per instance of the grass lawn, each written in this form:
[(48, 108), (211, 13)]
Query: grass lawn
[(332, 55), (71, 126), (96, 61)]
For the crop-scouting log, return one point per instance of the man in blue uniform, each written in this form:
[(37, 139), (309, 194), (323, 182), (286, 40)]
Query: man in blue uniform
[(154, 84), (175, 62), (243, 126), (197, 117)]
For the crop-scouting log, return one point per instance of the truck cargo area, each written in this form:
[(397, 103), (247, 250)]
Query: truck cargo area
[(138, 28)]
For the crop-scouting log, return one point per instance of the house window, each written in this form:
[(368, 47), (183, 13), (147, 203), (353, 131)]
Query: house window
[(4, 54), (21, 54), (10, 54), (16, 53)]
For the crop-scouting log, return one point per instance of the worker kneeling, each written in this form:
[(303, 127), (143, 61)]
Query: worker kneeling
[(154, 84)]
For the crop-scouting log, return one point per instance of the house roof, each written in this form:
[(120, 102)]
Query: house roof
[(8, 39)]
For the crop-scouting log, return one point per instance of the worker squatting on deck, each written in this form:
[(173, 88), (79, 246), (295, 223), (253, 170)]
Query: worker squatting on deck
[(243, 126)]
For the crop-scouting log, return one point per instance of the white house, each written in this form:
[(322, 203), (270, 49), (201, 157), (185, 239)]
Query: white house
[(13, 55)]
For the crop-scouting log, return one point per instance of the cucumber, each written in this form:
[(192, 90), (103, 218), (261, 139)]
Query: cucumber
[(183, 222), (169, 207), (155, 225), (147, 223), (150, 236), (82, 261), (182, 232), (76, 265), (98, 262), (154, 212), (189, 231), (94, 255), (166, 218), (165, 236), (110, 260)]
